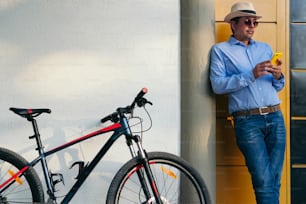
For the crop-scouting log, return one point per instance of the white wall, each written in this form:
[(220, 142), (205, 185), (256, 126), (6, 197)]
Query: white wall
[(83, 59)]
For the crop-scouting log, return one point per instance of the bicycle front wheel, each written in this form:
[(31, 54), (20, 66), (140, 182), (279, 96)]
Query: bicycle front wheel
[(19, 183), (176, 181)]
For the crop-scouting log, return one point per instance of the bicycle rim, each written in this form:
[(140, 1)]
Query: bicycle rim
[(176, 182)]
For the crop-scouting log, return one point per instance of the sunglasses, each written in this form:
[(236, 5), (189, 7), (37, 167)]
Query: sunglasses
[(249, 22)]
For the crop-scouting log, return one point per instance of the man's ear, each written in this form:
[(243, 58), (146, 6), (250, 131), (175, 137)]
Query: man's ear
[(232, 25)]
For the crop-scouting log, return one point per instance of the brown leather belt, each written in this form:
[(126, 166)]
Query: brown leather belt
[(258, 111)]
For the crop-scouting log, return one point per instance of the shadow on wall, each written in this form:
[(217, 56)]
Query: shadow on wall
[(204, 84)]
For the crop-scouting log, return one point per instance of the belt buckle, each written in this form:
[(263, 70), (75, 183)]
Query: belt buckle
[(260, 110)]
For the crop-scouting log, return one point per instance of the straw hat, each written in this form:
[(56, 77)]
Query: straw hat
[(240, 9)]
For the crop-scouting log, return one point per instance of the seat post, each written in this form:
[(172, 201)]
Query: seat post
[(36, 136), (40, 149)]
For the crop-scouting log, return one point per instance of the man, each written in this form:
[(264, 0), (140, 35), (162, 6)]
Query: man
[(241, 68)]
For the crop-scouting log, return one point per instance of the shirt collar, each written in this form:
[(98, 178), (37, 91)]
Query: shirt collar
[(234, 41)]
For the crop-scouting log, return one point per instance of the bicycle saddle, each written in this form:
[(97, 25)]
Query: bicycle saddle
[(26, 113)]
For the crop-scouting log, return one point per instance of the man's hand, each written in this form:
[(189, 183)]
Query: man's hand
[(276, 70), (266, 67)]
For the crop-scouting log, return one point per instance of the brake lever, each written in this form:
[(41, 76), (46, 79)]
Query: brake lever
[(143, 101), (149, 102)]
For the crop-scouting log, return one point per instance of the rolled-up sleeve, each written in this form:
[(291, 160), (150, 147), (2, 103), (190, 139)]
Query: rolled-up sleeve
[(279, 84)]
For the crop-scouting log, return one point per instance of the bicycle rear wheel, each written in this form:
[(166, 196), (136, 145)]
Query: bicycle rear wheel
[(23, 188), (177, 182)]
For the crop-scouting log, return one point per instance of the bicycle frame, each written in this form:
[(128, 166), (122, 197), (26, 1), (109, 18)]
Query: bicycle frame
[(121, 128)]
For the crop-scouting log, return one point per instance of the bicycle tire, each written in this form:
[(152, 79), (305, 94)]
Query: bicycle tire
[(26, 188), (177, 182)]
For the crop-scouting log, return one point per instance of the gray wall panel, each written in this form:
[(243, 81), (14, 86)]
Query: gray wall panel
[(298, 46), (298, 191), (297, 11), (298, 99), (298, 93), (298, 142)]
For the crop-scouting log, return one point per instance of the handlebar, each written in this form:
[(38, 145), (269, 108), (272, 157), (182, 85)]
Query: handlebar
[(139, 100)]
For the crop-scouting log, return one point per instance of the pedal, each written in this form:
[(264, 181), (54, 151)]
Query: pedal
[(57, 180)]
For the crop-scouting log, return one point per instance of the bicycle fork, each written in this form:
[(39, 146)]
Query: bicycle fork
[(146, 170)]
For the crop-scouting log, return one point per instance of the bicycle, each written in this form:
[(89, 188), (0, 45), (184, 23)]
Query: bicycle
[(147, 178)]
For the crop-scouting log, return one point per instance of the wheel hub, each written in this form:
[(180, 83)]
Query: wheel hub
[(153, 201)]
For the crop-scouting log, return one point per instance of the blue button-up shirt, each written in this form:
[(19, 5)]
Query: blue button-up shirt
[(231, 66)]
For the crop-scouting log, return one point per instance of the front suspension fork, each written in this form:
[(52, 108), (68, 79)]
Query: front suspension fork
[(145, 170)]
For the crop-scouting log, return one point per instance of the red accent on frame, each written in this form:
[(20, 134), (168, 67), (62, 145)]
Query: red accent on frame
[(103, 130), (14, 177), (154, 187), (30, 111), (110, 128), (139, 167)]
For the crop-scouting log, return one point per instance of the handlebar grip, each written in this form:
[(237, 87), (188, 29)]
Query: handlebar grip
[(141, 93), (112, 117), (105, 119)]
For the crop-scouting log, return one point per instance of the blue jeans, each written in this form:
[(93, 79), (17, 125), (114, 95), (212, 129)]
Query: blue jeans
[(262, 140)]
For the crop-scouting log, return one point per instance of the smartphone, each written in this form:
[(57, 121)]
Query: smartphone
[(276, 56)]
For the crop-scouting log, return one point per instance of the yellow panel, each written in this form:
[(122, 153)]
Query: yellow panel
[(227, 151), (234, 186), (265, 8), (266, 32), (223, 32)]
